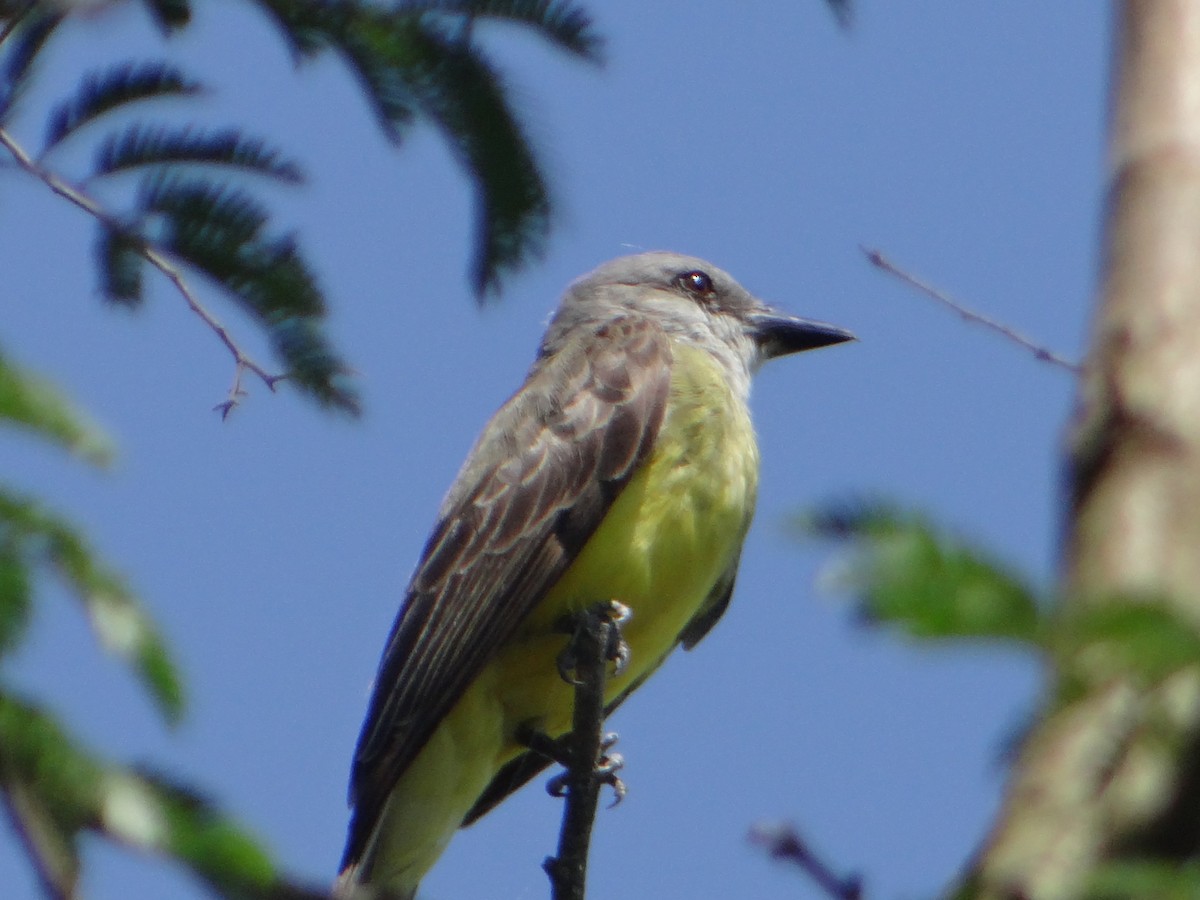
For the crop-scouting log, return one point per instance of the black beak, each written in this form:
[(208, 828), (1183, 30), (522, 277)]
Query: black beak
[(779, 334)]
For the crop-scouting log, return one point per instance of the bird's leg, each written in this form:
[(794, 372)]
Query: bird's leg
[(559, 750), (595, 642), (606, 619), (605, 771)]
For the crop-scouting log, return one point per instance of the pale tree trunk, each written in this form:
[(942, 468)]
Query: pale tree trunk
[(1113, 772)]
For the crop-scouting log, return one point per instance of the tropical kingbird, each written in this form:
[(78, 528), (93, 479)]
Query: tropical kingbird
[(625, 468)]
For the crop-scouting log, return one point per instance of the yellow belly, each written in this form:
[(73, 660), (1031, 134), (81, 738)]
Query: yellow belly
[(672, 533)]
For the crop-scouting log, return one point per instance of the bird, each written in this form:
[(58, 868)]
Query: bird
[(625, 468)]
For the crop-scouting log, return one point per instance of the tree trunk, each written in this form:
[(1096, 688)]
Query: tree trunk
[(1112, 770)]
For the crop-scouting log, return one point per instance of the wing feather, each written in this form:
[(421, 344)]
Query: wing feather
[(533, 490)]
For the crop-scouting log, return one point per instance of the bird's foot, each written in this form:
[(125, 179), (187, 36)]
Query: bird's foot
[(609, 615), (558, 750), (605, 772)]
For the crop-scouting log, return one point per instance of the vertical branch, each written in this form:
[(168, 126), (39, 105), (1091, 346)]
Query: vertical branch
[(1113, 774), (589, 652)]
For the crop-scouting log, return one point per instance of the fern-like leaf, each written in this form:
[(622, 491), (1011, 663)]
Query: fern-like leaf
[(170, 15), (843, 11), (459, 90), (22, 50), (565, 25), (120, 263), (43, 539), (114, 89), (419, 60), (219, 230), (139, 145)]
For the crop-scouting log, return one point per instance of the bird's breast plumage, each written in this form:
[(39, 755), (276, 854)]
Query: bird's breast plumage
[(666, 543)]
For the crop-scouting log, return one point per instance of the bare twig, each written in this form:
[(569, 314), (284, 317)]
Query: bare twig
[(158, 259), (783, 842), (591, 648), (877, 259)]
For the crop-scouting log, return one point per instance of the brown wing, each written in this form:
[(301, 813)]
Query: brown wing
[(534, 489), (519, 771)]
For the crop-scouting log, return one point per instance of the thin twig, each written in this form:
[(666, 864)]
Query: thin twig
[(877, 259), (783, 842), (596, 633), (158, 259)]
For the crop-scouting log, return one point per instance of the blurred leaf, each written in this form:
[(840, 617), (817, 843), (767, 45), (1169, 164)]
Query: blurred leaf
[(1139, 636), (843, 11), (1146, 879), (33, 403), (906, 573), (123, 628), (114, 89), (119, 261), (48, 787), (21, 50), (419, 59), (467, 97), (55, 787), (218, 230), (170, 15), (196, 833), (139, 145), (37, 753), (565, 25), (14, 595)]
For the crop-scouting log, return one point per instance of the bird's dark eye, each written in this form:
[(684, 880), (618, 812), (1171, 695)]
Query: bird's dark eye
[(696, 282)]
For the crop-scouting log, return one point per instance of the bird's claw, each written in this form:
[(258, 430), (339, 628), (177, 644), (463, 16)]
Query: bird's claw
[(616, 649), (604, 773)]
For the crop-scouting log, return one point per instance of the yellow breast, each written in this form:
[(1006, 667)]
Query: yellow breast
[(667, 540)]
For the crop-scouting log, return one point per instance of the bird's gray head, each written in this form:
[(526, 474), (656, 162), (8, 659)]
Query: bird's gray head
[(695, 302)]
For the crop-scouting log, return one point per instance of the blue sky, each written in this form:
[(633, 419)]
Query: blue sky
[(963, 140)]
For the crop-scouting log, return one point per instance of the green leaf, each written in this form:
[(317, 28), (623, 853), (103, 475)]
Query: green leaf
[(119, 262), (1141, 637), (122, 626), (906, 573), (1148, 879), (170, 15), (33, 403), (139, 145), (14, 595), (56, 788), (219, 230), (36, 753), (22, 48), (197, 834), (114, 89)]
